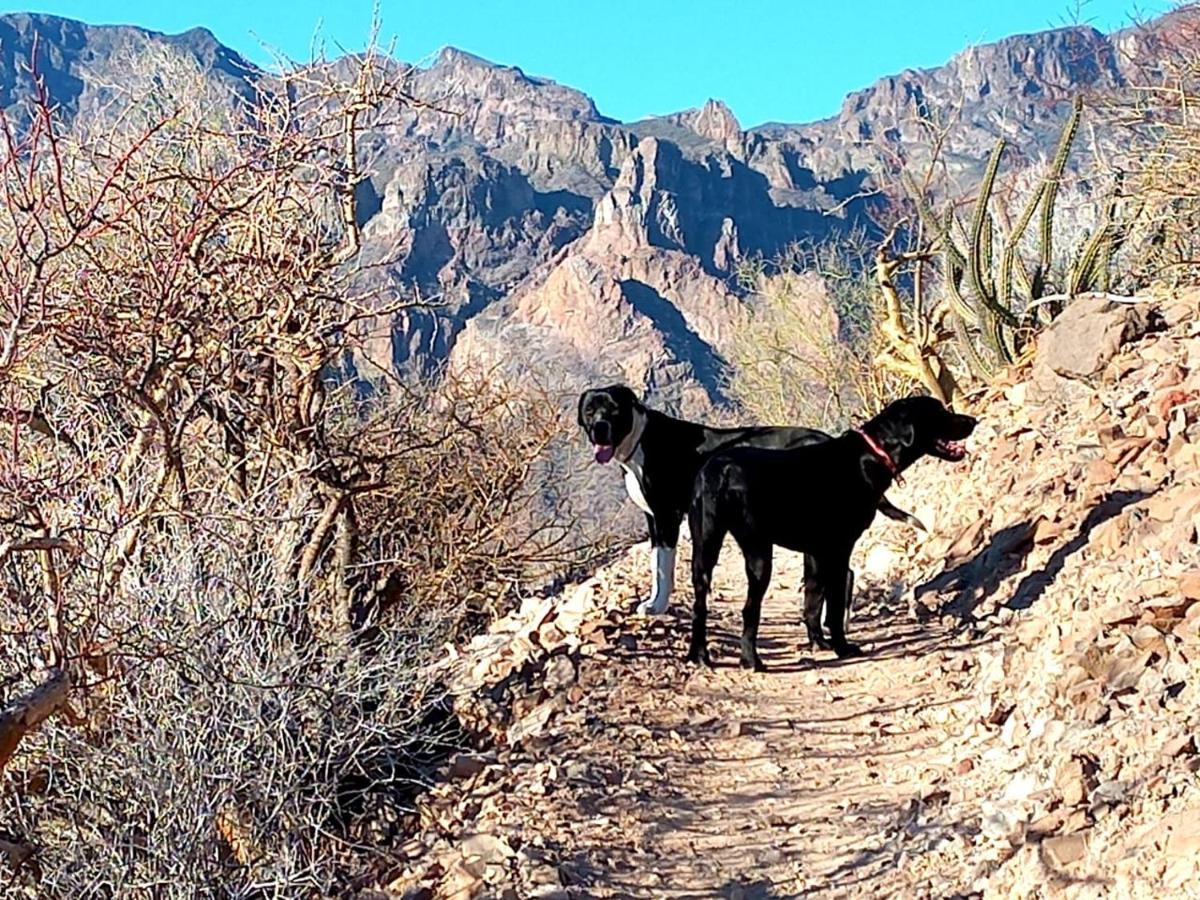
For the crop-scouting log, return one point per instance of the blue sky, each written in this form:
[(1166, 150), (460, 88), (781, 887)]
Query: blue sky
[(770, 61)]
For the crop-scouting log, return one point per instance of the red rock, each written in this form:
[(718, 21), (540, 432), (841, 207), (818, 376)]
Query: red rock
[(1184, 745), (1167, 401), (1189, 585)]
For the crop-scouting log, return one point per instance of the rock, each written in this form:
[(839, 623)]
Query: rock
[(534, 723), (1075, 779), (544, 876), (1184, 745), (559, 673), (486, 847), (1046, 530), (1182, 832), (1100, 472), (462, 880), (1066, 850), (1109, 793), (1003, 821), (1051, 823), (467, 765), (1189, 585), (1087, 334)]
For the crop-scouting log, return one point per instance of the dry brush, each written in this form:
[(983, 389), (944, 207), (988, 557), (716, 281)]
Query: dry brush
[(225, 554)]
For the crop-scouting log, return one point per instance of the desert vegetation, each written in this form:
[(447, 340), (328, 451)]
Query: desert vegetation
[(807, 351), (230, 539), (955, 281)]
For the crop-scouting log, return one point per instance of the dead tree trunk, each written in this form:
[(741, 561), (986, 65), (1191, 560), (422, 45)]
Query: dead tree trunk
[(30, 711)]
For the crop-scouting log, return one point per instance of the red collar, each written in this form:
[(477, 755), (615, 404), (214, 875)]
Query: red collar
[(881, 453)]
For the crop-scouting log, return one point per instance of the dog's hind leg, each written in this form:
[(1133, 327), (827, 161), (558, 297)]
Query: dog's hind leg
[(849, 599), (707, 538), (758, 576)]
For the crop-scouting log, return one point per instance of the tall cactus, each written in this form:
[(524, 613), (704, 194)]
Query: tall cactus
[(1011, 265), (989, 307), (1090, 270), (1052, 181)]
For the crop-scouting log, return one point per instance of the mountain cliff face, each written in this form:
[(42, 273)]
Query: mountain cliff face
[(1015, 88), (611, 248), (83, 64)]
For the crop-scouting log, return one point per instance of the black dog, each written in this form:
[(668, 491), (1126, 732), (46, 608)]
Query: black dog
[(661, 456), (817, 499)]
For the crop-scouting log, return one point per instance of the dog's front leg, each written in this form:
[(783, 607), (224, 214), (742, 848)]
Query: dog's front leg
[(835, 571), (663, 538), (814, 599)]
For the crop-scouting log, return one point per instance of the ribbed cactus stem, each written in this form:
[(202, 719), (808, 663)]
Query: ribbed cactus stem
[(1090, 271), (988, 239), (979, 256), (1011, 259), (1053, 178), (979, 366), (954, 268)]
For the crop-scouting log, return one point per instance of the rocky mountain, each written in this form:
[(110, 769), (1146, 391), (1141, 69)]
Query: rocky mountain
[(554, 236), (85, 67)]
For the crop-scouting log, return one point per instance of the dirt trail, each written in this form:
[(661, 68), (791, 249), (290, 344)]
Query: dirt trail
[(805, 779), (657, 779)]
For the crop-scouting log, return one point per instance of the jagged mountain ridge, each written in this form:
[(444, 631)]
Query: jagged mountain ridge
[(518, 205)]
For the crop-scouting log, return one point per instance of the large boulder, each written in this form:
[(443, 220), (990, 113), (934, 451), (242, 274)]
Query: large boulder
[(1088, 333)]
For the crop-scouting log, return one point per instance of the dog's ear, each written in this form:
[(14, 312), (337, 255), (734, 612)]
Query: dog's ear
[(579, 409), (904, 433), (625, 396)]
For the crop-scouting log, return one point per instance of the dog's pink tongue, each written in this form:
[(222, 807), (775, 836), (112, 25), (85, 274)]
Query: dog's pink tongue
[(604, 453)]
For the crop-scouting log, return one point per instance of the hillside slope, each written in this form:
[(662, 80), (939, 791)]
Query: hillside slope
[(1024, 723)]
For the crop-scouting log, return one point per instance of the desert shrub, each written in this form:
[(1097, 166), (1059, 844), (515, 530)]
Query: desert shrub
[(225, 561), (806, 352), (1159, 152)]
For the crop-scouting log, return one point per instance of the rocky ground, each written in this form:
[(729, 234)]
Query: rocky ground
[(1023, 726)]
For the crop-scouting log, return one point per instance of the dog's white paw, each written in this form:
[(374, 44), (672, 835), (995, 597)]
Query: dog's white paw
[(652, 607)]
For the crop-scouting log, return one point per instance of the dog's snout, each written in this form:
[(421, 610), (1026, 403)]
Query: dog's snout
[(601, 432), (964, 425)]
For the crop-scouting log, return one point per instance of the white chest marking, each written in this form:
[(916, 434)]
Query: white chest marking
[(633, 481)]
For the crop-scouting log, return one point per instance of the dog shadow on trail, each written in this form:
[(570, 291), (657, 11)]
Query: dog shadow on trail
[(979, 577), (882, 626), (1034, 584), (739, 847)]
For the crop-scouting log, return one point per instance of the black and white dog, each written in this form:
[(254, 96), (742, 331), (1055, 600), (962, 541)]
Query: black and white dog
[(661, 456), (816, 499)]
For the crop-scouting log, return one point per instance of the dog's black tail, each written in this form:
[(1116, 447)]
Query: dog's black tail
[(894, 512)]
